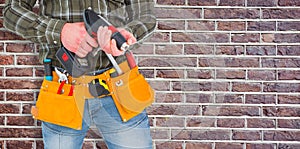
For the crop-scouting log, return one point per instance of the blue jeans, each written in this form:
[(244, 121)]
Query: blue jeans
[(102, 112)]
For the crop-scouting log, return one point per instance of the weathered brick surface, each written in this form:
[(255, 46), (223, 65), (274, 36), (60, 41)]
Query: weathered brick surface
[(226, 75)]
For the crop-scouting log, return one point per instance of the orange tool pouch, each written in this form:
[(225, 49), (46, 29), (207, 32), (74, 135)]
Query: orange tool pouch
[(130, 91), (60, 109)]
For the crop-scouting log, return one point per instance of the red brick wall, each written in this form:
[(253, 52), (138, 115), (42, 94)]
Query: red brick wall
[(226, 74)]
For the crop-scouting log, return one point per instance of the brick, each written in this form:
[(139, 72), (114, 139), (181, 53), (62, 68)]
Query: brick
[(187, 110), (246, 135), (1, 45), (144, 49), (245, 38), (269, 38), (260, 146), (288, 3), (165, 73), (281, 87), (261, 50), (9, 108), (200, 74), (196, 49), (201, 25), (260, 123), (87, 145), (20, 84), (289, 50), (231, 26), (179, 13), (160, 85), (161, 110), (281, 111), (198, 98), (28, 60), (229, 50), (202, 3), (202, 86), (259, 3), (2, 118), (168, 97), (167, 62), (229, 62), (147, 73), (229, 98), (171, 25), (288, 75), (246, 87), (199, 145), (231, 123), (2, 144), (26, 108), (20, 121), (223, 145), (260, 99), (261, 26), (2, 96), (39, 72), (231, 13), (261, 75), (230, 111), (288, 146), (288, 26), (200, 122), (171, 2), (20, 132), (159, 37), (169, 144), (101, 145), (280, 62), (230, 74), (160, 134), (13, 144), (21, 72), (200, 134), (93, 133), (200, 38), (39, 144), (6, 59), (174, 110), (20, 48), (6, 35), (287, 38), (289, 123), (168, 49), (289, 99), (291, 13), (231, 2), (281, 135), (169, 122)]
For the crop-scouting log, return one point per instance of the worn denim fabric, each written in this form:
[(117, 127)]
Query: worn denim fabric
[(102, 113)]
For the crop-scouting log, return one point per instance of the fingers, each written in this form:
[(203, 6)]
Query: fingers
[(128, 36), (114, 50)]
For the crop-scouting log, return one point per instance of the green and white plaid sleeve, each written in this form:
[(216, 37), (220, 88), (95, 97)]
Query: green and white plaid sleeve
[(20, 19)]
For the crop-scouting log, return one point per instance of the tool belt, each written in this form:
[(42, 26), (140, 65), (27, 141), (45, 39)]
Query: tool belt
[(63, 104)]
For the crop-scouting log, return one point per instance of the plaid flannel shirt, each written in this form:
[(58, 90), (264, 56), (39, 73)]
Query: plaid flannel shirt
[(45, 27)]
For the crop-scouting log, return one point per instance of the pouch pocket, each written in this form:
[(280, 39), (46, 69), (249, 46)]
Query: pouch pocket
[(131, 93), (59, 109)]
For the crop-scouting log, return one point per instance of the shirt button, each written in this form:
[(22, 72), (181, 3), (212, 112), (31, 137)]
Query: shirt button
[(55, 42)]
